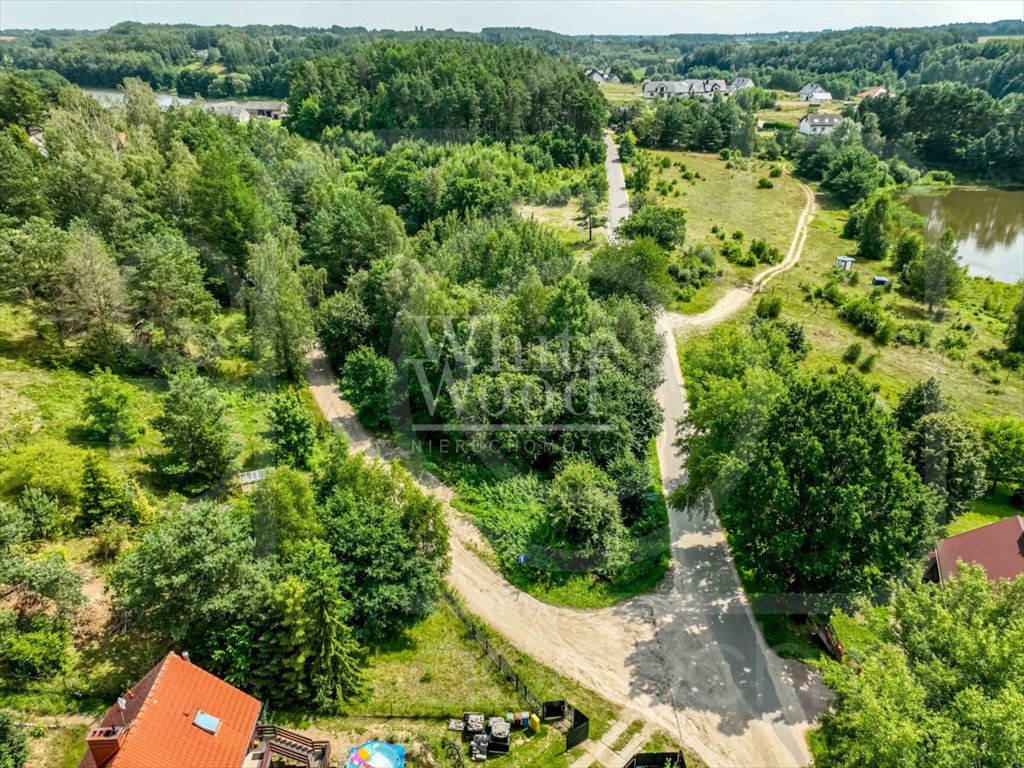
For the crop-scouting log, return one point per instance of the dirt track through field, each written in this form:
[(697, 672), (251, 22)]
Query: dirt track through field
[(688, 656)]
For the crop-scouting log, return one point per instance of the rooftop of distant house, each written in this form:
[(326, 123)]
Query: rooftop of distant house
[(997, 547)]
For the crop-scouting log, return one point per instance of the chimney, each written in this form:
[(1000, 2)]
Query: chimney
[(104, 742), (184, 655)]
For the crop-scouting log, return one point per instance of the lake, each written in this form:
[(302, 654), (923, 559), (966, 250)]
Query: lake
[(989, 226)]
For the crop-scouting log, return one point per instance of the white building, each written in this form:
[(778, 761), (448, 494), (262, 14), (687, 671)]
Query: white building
[(814, 93), (816, 123), (684, 89)]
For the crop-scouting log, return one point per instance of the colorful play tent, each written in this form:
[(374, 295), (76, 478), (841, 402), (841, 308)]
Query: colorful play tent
[(376, 754)]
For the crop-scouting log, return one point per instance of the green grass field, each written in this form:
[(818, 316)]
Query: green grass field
[(729, 199), (621, 93), (42, 399)]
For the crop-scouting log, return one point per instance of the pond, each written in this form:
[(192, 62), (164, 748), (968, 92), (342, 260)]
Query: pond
[(989, 226)]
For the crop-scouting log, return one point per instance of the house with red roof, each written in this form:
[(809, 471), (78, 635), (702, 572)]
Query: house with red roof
[(997, 547), (180, 716), (873, 93)]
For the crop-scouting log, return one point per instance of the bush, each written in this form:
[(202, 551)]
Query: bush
[(111, 536), (775, 172), (764, 183), (733, 252), (915, 334), (13, 748), (35, 650), (868, 363), (769, 307), (868, 317), (852, 353), (109, 413), (369, 384), (764, 253)]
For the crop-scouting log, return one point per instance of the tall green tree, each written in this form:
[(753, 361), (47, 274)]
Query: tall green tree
[(950, 457), (369, 384), (919, 401), (191, 573), (923, 697), (666, 226), (195, 433), (282, 320), (104, 494), (936, 276), (1004, 450), (873, 242), (1015, 328), (389, 537), (639, 268), (167, 290), (293, 429), (283, 513), (816, 497), (590, 213), (583, 510), (109, 411)]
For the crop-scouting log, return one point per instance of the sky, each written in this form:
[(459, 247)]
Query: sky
[(649, 17)]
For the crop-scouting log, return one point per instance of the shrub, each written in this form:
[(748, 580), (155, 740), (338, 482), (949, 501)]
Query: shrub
[(852, 353), (369, 384), (868, 363), (915, 334), (764, 253), (13, 747), (764, 183), (111, 536), (769, 307), (868, 317), (109, 413), (775, 172)]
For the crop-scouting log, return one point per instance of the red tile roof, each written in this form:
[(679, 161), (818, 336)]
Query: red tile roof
[(999, 547), (160, 710)]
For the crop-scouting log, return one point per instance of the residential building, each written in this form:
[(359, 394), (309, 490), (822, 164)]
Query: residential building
[(684, 89), (997, 547), (814, 93), (740, 83), (815, 123), (600, 77), (873, 93), (182, 716), (270, 110), (232, 109)]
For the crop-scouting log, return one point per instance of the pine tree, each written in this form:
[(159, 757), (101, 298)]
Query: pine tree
[(104, 495)]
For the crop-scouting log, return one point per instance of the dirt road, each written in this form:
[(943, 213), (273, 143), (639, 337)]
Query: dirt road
[(687, 656)]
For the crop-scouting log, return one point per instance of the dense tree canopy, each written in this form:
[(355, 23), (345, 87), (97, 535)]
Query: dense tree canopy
[(944, 687), (805, 471)]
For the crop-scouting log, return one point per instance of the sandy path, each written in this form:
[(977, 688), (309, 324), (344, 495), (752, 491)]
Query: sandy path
[(688, 655)]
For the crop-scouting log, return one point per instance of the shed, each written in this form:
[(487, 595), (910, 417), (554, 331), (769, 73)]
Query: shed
[(879, 280), (844, 263)]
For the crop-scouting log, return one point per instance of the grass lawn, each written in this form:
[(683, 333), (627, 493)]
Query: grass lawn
[(42, 399), (509, 512), (990, 508), (788, 112), (624, 738), (729, 199), (562, 219), (621, 93), (436, 671)]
